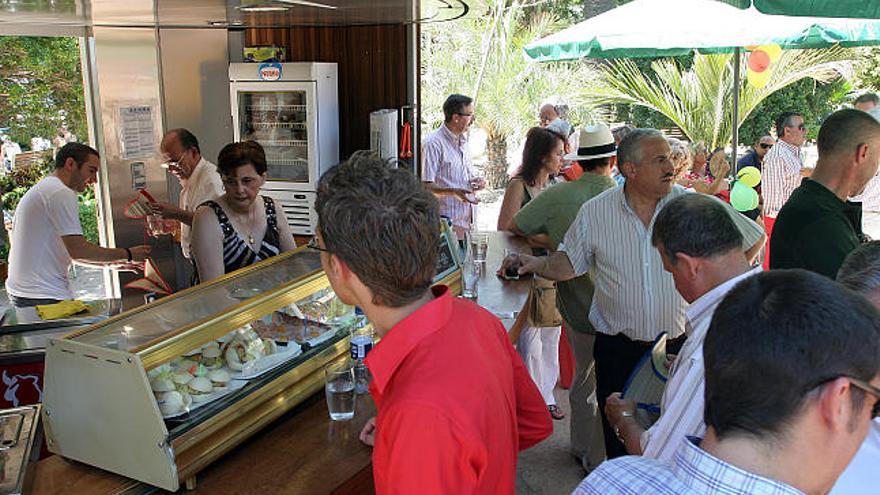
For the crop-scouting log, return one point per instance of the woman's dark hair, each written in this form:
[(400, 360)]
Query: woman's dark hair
[(235, 155), (540, 143)]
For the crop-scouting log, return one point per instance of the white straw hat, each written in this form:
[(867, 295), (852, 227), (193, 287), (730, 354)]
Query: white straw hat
[(594, 141)]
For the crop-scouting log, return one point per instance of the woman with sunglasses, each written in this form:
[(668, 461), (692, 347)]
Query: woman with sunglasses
[(241, 227)]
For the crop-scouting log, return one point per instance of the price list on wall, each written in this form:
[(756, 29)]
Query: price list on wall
[(136, 129)]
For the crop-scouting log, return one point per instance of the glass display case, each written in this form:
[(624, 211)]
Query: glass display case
[(161, 391)]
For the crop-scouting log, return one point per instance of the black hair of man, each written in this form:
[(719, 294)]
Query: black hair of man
[(868, 98), (860, 270), (845, 130), (187, 139), (455, 104), (594, 163), (383, 224), (78, 151), (785, 119), (774, 340), (696, 225)]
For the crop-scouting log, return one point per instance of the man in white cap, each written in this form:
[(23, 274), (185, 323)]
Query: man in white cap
[(549, 215), (635, 300)]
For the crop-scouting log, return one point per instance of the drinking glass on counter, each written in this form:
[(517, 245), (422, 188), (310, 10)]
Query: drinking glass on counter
[(470, 277), (479, 246), (339, 387)]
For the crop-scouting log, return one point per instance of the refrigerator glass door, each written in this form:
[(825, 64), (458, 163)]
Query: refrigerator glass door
[(281, 117)]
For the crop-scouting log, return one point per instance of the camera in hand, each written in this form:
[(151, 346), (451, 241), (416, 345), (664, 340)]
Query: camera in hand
[(512, 272)]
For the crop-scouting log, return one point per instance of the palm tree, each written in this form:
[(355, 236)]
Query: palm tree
[(699, 100), (507, 88)]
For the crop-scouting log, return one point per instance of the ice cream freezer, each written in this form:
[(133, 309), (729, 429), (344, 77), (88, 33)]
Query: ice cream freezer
[(160, 392)]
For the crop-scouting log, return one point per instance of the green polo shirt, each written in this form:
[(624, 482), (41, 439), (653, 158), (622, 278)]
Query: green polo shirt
[(815, 230), (552, 213)]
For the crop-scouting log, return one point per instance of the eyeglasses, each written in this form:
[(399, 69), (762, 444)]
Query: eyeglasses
[(765, 146), (867, 387), (464, 114), (859, 384), (313, 244)]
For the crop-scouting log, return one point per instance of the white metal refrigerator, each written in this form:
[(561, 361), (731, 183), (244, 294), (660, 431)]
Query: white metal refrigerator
[(292, 110)]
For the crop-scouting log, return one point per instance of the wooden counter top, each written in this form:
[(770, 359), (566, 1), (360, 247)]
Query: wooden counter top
[(302, 452), (502, 297)]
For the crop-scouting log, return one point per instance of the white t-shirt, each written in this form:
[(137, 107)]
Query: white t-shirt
[(860, 477), (38, 260), (204, 184)]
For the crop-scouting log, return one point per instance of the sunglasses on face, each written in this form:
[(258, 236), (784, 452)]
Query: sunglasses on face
[(765, 146)]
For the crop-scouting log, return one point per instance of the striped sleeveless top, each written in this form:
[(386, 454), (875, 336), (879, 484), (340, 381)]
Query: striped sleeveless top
[(236, 252)]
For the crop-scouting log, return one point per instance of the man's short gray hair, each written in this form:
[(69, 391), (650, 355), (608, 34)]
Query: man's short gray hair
[(861, 269), (697, 225), (630, 149)]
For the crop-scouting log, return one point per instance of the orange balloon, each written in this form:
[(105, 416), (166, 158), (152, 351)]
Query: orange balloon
[(759, 60)]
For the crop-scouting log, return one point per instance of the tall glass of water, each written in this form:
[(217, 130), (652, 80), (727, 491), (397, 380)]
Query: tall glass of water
[(479, 245), (339, 387)]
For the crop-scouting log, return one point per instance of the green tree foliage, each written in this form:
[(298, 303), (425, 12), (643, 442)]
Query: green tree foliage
[(699, 99), (814, 100), (482, 57), (41, 87)]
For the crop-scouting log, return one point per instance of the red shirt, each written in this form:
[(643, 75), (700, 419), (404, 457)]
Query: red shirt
[(455, 403)]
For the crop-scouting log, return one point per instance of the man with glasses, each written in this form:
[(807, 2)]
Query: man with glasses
[(861, 272), (792, 362), (199, 181), (455, 402), (783, 170), (818, 226), (446, 165), (755, 156)]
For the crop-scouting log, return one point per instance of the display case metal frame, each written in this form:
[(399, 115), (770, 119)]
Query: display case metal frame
[(113, 421)]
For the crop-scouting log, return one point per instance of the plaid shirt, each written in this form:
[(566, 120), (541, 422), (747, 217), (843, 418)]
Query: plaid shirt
[(447, 163), (695, 472), (781, 176)]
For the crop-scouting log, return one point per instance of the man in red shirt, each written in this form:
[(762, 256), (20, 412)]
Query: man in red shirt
[(455, 403)]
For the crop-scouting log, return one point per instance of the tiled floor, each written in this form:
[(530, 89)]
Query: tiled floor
[(549, 468)]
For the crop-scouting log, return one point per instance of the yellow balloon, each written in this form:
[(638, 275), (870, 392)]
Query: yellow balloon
[(774, 51), (759, 79), (749, 176)]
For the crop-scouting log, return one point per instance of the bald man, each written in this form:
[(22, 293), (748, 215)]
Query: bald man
[(818, 226)]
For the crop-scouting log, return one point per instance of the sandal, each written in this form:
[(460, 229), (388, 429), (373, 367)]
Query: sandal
[(555, 412)]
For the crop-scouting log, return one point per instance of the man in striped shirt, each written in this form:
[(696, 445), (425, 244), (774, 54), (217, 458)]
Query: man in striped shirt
[(446, 165), (702, 249), (635, 299), (783, 170), (792, 374)]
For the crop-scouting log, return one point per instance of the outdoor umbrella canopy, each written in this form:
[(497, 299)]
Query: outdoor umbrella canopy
[(658, 28), (867, 9)]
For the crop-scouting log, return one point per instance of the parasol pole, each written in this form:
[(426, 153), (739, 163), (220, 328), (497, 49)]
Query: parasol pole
[(736, 85)]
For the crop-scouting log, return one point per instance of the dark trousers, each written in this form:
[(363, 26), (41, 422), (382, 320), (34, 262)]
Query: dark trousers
[(25, 302), (616, 357)]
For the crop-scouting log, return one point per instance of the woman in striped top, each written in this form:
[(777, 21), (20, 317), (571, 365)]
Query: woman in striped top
[(241, 227)]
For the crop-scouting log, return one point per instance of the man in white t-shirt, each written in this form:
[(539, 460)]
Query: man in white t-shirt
[(47, 235), (199, 181)]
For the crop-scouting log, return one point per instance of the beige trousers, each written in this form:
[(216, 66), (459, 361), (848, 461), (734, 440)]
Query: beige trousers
[(587, 441)]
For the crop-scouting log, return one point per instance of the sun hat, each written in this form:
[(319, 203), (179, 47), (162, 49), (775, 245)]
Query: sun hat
[(594, 141)]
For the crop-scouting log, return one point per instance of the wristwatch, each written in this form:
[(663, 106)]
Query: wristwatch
[(616, 429)]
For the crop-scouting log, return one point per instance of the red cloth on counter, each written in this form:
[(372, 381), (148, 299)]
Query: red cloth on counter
[(455, 402)]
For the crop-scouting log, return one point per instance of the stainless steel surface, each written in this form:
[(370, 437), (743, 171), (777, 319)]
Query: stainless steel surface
[(125, 65), (68, 17), (17, 320), (18, 432), (195, 96)]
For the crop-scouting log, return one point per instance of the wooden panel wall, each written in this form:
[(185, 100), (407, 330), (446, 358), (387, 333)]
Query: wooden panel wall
[(372, 69)]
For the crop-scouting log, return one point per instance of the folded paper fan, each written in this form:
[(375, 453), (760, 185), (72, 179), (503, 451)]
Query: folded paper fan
[(139, 207), (152, 281)]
